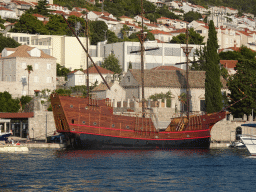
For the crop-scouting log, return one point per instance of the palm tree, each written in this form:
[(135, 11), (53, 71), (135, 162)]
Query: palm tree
[(29, 69)]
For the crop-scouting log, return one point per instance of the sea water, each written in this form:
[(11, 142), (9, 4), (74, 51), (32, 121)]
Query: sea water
[(128, 170)]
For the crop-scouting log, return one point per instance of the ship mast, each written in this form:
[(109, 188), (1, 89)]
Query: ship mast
[(87, 57), (187, 50), (142, 37), (86, 50)]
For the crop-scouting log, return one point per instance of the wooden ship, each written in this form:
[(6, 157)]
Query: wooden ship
[(91, 123)]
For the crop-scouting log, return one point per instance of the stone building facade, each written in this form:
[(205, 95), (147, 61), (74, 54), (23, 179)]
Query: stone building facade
[(15, 78)]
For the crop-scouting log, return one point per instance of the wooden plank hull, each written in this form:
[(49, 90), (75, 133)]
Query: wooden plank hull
[(92, 124)]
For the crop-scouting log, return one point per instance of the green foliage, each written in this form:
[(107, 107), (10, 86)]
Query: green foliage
[(57, 25), (40, 8), (194, 38), (112, 63), (111, 36), (24, 100), (162, 96), (149, 37), (200, 65), (191, 16), (7, 42), (73, 20), (164, 12), (213, 96), (62, 71), (29, 24), (7, 104), (29, 68), (242, 84), (63, 91), (97, 31), (242, 53)]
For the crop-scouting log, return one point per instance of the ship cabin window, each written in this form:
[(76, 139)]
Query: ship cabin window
[(94, 123), (71, 106), (127, 127), (83, 122), (73, 121), (113, 125)]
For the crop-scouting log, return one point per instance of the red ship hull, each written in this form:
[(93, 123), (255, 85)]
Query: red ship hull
[(92, 124)]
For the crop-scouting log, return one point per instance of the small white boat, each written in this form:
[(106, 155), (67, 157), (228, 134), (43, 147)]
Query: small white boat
[(5, 130), (249, 137)]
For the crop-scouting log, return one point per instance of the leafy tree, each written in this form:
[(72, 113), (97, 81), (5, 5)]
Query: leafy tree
[(62, 71), (24, 100), (242, 53), (124, 30), (57, 25), (191, 16), (29, 69), (1, 23), (112, 38), (73, 20), (7, 104), (242, 84), (97, 31), (29, 24), (194, 38), (40, 8), (7, 42), (112, 63), (200, 64), (213, 96)]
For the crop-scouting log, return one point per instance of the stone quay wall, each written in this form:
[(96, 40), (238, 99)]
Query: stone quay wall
[(225, 130), (42, 121)]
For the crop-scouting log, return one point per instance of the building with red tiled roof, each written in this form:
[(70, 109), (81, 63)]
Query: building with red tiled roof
[(94, 15), (7, 13), (162, 35), (41, 17), (77, 14), (14, 78)]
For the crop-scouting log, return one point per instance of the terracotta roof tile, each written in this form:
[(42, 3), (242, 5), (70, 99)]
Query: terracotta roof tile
[(229, 63), (22, 51), (101, 69), (16, 115)]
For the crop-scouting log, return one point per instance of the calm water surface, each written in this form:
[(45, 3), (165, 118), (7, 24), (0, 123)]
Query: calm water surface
[(128, 170)]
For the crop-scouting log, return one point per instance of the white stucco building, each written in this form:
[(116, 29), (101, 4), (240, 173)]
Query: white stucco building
[(66, 49)]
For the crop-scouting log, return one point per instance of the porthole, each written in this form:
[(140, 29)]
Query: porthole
[(113, 125), (73, 129), (127, 127), (71, 106), (86, 108), (94, 123), (83, 122)]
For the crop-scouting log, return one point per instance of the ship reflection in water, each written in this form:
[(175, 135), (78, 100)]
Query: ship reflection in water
[(127, 170)]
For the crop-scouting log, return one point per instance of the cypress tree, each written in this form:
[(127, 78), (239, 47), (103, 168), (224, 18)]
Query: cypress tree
[(213, 96)]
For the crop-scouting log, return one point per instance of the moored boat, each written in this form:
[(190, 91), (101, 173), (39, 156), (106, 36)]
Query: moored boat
[(90, 123), (249, 139)]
